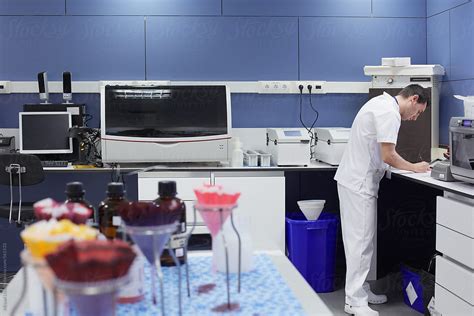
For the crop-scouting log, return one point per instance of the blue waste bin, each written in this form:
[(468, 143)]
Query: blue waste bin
[(421, 288), (312, 248)]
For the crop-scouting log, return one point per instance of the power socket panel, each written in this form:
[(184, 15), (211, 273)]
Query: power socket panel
[(5, 87), (275, 87), (317, 87)]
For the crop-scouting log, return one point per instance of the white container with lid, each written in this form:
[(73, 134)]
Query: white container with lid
[(264, 158), (468, 105), (251, 158), (237, 153)]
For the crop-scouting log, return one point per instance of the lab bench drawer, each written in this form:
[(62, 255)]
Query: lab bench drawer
[(449, 304), (455, 245), (148, 187), (455, 215), (455, 278)]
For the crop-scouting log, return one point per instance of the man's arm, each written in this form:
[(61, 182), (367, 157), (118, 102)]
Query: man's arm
[(392, 158)]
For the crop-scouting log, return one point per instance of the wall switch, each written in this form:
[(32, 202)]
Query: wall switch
[(4, 87), (274, 87)]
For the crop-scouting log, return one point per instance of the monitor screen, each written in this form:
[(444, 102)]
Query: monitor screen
[(45, 132)]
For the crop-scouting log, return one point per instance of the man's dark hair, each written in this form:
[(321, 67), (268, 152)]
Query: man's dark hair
[(415, 89)]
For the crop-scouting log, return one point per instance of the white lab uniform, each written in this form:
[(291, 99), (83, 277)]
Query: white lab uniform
[(358, 178)]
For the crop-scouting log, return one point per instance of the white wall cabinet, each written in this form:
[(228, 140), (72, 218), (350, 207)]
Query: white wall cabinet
[(262, 199)]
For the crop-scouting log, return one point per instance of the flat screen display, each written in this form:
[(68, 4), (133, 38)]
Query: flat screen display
[(292, 133), (45, 132), (166, 111)]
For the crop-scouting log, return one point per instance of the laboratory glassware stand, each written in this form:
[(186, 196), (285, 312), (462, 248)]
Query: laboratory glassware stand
[(152, 241), (215, 216)]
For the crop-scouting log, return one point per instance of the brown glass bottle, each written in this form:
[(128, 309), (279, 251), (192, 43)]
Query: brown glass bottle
[(168, 202), (75, 194), (109, 218)]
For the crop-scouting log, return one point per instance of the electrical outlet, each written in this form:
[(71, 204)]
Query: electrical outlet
[(4, 87), (274, 87), (317, 87)]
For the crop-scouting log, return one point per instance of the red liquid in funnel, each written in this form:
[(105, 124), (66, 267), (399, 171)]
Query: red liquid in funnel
[(213, 219)]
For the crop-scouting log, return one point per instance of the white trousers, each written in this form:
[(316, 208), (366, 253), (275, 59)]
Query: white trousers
[(358, 222)]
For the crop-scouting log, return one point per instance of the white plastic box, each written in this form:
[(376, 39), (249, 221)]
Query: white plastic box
[(264, 158), (468, 105), (250, 158)]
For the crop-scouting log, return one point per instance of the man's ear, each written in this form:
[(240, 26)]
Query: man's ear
[(415, 98)]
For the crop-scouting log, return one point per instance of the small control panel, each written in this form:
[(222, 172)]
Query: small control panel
[(465, 123)]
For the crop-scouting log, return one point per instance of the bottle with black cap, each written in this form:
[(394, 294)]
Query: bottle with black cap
[(75, 194), (109, 218), (169, 202)]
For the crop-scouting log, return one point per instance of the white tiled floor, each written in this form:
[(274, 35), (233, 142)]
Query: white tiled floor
[(389, 285), (395, 306)]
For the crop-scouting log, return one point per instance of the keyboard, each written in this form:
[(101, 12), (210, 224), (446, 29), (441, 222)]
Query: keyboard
[(54, 163)]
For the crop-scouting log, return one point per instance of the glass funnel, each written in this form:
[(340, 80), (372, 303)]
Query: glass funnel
[(214, 216), (93, 298), (152, 241)]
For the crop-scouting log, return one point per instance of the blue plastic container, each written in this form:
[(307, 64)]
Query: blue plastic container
[(415, 279), (312, 248)]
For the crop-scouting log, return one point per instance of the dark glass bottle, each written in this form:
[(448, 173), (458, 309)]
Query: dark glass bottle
[(75, 194), (168, 202), (109, 218)]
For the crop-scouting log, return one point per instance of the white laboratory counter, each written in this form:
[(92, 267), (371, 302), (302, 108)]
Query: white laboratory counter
[(310, 301), (461, 188), (314, 165)]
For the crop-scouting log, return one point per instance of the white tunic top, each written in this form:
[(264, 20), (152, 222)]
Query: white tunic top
[(362, 167)]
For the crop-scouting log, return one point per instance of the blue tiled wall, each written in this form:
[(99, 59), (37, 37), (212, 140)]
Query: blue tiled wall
[(222, 48), (450, 38), (437, 6), (337, 49), (208, 40), (399, 8)]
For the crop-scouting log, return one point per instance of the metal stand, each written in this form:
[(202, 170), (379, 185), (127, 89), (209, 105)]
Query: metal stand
[(15, 168), (221, 209), (160, 236)]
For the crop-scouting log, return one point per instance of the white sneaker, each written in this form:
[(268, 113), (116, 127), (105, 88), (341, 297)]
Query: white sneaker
[(374, 298), (360, 310)]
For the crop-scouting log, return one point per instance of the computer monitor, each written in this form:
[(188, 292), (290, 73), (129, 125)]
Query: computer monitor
[(45, 133)]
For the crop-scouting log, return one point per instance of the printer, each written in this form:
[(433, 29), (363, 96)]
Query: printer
[(330, 144), (289, 146)]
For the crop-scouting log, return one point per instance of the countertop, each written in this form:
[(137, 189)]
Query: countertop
[(461, 188), (314, 165)]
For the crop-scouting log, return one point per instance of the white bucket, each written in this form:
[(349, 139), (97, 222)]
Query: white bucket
[(311, 208)]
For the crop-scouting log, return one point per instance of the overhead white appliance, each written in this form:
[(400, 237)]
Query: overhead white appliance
[(330, 143), (417, 139), (289, 146)]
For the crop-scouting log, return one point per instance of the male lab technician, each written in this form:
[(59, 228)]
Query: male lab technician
[(370, 150)]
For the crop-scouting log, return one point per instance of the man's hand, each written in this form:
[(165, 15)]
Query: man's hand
[(391, 157), (421, 167)]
